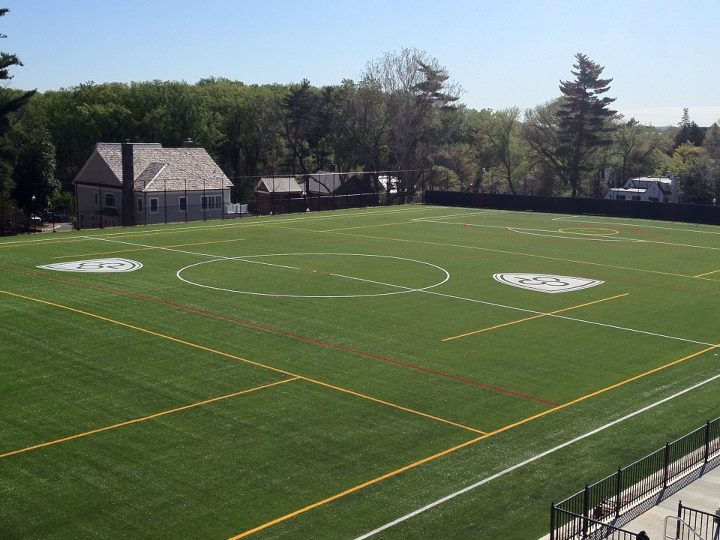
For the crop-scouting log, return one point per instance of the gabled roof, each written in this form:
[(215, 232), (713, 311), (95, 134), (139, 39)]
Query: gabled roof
[(644, 182), (155, 168), (325, 182), (279, 184)]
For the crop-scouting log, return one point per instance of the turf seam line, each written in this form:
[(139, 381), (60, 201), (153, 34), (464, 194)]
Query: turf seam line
[(291, 335), (145, 418), (466, 443), (533, 459), (244, 360), (541, 315)]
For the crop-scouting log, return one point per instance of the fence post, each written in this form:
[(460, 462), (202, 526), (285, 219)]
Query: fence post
[(586, 509), (707, 440), (677, 526), (666, 465), (618, 491), (553, 521)]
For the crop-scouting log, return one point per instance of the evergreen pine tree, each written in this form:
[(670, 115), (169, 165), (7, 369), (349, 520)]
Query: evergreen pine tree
[(583, 118)]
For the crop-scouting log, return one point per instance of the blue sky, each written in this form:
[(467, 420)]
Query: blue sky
[(663, 55)]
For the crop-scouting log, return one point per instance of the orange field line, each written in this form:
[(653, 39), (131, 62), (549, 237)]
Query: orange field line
[(146, 248), (538, 316), (145, 418), (241, 359), (465, 444)]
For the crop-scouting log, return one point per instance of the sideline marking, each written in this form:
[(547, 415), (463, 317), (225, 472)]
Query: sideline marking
[(584, 321), (467, 443), (483, 302), (641, 225), (170, 228), (145, 418), (706, 274), (306, 339), (532, 459), (245, 360), (145, 248), (502, 325), (507, 252), (549, 233)]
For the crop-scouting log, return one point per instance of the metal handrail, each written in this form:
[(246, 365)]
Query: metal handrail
[(685, 524)]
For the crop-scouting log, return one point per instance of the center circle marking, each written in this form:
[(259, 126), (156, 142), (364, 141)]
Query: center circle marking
[(403, 289)]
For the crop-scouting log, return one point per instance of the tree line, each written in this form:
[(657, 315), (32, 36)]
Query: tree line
[(403, 114)]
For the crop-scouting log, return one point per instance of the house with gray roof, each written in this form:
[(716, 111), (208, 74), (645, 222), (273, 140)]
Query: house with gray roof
[(279, 194), (647, 188), (144, 183)]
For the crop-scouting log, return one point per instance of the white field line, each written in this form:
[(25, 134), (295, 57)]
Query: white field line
[(444, 295), (541, 455), (265, 220), (639, 225), (476, 213), (573, 319), (557, 234)]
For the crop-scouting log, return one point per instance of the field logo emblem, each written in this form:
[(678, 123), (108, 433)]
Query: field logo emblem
[(547, 283), (98, 266)]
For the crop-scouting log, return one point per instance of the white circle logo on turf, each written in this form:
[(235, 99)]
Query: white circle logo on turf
[(546, 283), (315, 275), (96, 266)]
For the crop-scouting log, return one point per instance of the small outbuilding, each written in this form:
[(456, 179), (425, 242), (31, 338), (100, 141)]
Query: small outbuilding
[(279, 194), (143, 183)]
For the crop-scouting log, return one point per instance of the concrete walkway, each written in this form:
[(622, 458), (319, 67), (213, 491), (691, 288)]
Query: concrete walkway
[(702, 493)]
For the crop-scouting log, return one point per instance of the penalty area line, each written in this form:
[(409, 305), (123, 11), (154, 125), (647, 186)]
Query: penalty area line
[(528, 461)]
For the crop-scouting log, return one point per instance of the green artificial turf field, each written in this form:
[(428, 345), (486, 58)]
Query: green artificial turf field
[(322, 375)]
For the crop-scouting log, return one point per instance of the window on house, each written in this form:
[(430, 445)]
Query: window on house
[(211, 202), (636, 197), (139, 205), (154, 205), (110, 200), (653, 199), (96, 198), (621, 197), (182, 204)]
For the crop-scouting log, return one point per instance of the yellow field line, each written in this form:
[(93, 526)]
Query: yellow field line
[(145, 248), (241, 359), (145, 418), (706, 274), (464, 445), (376, 400), (538, 316)]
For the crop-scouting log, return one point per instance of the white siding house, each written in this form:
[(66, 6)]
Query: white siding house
[(647, 188)]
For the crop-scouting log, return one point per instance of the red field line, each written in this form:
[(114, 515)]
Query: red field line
[(284, 333)]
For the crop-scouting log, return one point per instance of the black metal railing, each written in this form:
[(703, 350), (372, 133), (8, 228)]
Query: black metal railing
[(702, 523), (610, 498)]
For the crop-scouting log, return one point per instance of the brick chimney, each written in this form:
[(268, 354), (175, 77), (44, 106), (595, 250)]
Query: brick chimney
[(128, 184)]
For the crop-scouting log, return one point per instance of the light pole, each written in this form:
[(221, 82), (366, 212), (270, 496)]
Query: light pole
[(32, 212)]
